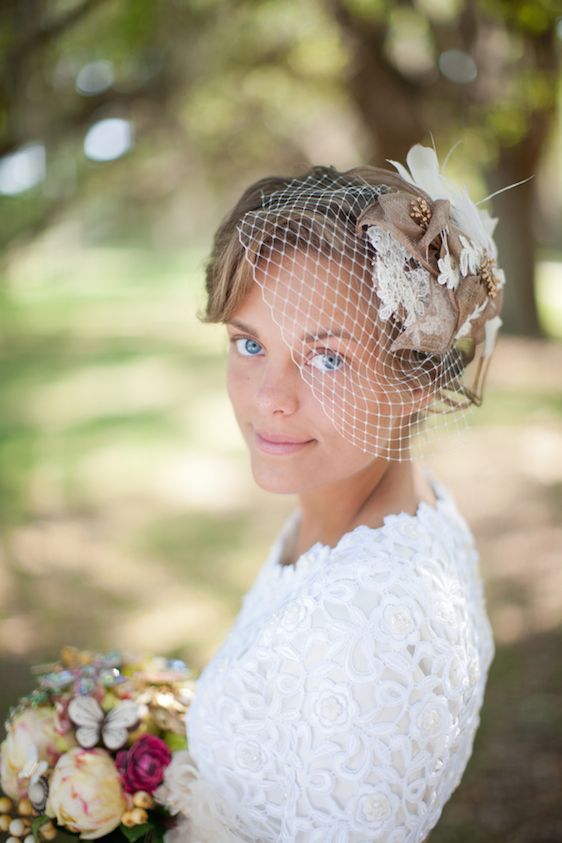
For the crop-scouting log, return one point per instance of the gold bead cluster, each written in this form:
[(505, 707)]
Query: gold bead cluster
[(19, 827), (137, 815), (15, 820), (487, 276), (420, 212)]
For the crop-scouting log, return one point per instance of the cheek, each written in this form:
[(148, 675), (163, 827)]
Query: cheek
[(238, 386)]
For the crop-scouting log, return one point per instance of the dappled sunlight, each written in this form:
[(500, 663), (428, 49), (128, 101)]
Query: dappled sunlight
[(97, 391), (175, 620), (198, 479), (508, 484), (549, 295), (212, 421)]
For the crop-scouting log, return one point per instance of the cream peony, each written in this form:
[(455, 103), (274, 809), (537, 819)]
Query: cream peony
[(85, 793), (31, 735)]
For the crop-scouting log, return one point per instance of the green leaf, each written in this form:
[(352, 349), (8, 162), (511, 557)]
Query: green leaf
[(156, 835), (62, 835), (36, 824), (136, 832), (174, 741)]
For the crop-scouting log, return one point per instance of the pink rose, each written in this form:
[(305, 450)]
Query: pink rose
[(142, 765)]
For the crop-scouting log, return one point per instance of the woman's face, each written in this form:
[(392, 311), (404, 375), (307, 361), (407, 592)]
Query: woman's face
[(272, 400)]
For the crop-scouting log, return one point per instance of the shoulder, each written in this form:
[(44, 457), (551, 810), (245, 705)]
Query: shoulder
[(414, 584)]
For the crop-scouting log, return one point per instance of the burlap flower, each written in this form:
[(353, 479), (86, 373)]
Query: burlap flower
[(465, 289)]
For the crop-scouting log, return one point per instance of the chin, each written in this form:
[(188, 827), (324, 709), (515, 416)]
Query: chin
[(277, 480)]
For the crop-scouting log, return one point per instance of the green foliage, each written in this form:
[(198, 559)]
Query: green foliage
[(531, 17), (61, 837), (136, 832), (175, 742), (218, 92), (369, 10)]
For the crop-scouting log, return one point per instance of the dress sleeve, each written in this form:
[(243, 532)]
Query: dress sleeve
[(370, 706), (347, 715)]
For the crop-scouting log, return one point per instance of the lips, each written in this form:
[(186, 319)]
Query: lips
[(281, 439), (281, 444)]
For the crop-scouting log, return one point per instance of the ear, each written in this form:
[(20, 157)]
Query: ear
[(422, 396), (416, 399)]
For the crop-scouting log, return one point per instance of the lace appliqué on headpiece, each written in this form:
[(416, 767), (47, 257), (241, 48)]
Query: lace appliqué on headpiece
[(402, 284)]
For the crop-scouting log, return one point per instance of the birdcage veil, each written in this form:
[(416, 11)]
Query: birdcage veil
[(385, 288)]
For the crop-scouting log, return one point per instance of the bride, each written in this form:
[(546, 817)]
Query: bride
[(343, 705)]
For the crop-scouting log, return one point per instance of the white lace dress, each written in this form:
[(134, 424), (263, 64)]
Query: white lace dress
[(343, 705)]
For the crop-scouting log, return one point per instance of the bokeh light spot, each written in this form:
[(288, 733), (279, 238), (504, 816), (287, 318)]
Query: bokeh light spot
[(108, 139), (95, 78), (23, 169), (458, 66)]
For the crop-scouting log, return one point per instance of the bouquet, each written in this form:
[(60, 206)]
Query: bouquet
[(86, 752)]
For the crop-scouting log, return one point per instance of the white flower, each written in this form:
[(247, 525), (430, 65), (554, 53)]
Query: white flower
[(431, 721), (373, 811), (500, 277), (206, 817), (448, 272), (470, 257), (31, 736), (175, 790), (398, 620), (375, 807), (464, 330), (249, 754)]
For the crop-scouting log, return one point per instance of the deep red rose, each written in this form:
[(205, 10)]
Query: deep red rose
[(142, 765)]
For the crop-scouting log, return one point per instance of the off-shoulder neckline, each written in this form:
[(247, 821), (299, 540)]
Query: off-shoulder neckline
[(443, 501)]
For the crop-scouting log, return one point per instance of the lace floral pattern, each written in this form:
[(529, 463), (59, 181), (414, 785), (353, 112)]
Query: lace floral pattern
[(343, 705), (402, 283)]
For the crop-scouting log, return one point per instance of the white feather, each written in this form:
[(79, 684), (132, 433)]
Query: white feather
[(402, 171), (424, 172), (491, 329), (424, 167)]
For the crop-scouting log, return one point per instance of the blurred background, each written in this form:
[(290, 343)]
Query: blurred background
[(128, 514)]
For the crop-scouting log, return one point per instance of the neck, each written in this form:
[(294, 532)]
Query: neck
[(330, 511)]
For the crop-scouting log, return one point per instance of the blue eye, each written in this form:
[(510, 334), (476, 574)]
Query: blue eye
[(246, 342), (331, 359)]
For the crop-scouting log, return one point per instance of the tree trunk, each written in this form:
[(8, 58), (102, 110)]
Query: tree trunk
[(515, 240), (398, 112), (516, 234)]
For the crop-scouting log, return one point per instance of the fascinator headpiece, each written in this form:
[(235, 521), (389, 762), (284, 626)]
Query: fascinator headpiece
[(391, 279)]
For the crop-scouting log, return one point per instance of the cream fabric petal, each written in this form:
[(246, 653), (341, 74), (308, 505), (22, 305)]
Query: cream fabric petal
[(433, 333)]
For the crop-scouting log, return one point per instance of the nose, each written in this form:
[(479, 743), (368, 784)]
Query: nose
[(279, 388)]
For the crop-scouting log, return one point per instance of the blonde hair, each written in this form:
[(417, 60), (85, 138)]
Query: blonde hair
[(228, 275)]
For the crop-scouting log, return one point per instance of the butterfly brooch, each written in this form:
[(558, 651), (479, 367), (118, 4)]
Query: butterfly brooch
[(95, 724), (37, 786)]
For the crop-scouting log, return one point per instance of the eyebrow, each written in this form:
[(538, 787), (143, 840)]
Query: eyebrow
[(319, 335)]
